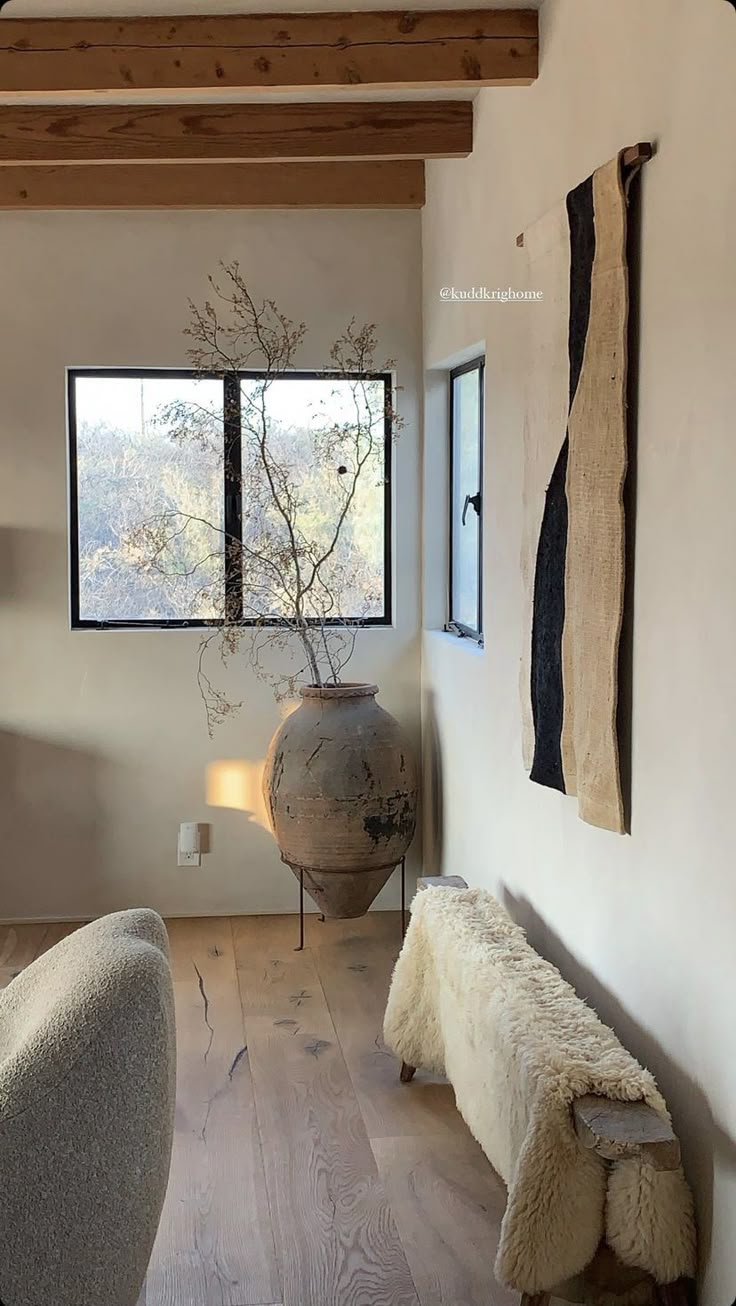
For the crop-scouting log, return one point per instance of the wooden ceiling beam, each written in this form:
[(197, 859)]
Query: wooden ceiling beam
[(456, 47), (381, 185), (235, 132)]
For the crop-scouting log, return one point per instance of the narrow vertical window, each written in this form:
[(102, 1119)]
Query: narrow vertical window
[(466, 499)]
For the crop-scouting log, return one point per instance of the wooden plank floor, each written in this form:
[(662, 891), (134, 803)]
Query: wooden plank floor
[(303, 1173)]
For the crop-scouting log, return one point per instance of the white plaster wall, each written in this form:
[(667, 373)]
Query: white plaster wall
[(103, 745), (645, 924)]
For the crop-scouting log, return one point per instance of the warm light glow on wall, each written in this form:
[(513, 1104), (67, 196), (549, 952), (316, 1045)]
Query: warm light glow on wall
[(236, 783)]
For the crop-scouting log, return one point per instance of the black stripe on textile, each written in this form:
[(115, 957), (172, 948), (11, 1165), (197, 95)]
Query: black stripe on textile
[(581, 218), (548, 620), (547, 624)]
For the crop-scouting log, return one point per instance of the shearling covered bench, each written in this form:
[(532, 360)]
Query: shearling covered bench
[(598, 1206)]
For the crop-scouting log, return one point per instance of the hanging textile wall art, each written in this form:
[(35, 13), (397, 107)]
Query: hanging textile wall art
[(573, 549)]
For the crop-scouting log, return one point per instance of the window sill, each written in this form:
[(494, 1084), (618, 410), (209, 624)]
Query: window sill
[(197, 627), (475, 647)]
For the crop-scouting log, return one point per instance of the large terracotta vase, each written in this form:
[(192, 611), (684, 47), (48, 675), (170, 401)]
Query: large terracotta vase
[(340, 784)]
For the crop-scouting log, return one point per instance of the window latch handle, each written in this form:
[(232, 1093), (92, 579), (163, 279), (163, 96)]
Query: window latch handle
[(475, 500)]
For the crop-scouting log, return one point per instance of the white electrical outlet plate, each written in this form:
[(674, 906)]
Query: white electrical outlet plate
[(189, 859)]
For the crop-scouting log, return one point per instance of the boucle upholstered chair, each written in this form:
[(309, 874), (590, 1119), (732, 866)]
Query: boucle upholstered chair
[(86, 1115)]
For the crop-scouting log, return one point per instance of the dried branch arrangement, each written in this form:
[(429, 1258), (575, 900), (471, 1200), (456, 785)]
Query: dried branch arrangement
[(300, 487)]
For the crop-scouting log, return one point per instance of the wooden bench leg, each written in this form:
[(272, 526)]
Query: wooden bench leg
[(407, 1073)]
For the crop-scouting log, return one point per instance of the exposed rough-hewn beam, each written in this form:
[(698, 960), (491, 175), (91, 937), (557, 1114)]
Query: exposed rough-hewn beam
[(383, 185), (250, 51), (108, 133)]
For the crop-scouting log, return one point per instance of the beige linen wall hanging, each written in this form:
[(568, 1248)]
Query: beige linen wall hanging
[(573, 548)]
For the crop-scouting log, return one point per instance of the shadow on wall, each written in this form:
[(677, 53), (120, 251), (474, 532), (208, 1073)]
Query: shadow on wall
[(33, 566), (625, 706), (433, 792), (49, 828), (703, 1141)]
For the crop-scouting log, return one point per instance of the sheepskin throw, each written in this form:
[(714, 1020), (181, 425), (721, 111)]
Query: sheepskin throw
[(575, 466), (471, 999)]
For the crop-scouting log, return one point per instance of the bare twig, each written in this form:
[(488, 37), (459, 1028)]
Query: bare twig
[(300, 566)]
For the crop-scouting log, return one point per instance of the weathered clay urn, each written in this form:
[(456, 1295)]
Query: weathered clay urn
[(341, 787)]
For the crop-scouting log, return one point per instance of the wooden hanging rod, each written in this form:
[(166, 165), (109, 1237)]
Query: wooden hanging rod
[(637, 154), (631, 158)]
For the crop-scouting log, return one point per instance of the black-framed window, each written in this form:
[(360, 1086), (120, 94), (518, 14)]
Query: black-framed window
[(128, 465), (466, 499)]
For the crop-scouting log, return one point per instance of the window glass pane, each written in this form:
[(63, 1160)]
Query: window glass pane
[(466, 481), (319, 433), (132, 468)]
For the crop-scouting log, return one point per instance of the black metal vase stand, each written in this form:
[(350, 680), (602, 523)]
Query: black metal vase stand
[(321, 917)]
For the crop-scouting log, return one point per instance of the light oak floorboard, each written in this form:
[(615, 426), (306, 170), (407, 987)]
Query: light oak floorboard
[(448, 1204), (215, 1246), (303, 1173), (336, 1239), (57, 933), (355, 966), (19, 946)]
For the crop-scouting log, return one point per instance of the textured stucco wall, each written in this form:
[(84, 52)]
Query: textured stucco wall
[(103, 745), (643, 924)]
